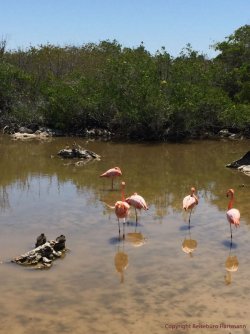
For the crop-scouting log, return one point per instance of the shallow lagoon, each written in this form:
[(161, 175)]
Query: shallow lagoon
[(155, 284)]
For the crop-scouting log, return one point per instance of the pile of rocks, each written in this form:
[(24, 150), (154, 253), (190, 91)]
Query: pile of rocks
[(42, 133), (78, 152)]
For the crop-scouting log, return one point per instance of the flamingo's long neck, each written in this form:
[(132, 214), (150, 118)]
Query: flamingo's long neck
[(194, 196), (123, 196), (230, 204)]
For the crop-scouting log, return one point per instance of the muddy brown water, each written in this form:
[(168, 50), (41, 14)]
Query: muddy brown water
[(147, 283)]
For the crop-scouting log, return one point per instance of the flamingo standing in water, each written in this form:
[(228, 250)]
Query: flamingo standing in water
[(121, 210), (138, 202), (190, 201), (233, 215), (112, 172)]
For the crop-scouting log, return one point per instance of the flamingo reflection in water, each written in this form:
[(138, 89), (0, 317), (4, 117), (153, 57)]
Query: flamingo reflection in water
[(189, 245), (189, 202), (135, 238), (121, 262), (112, 173), (233, 215), (231, 265)]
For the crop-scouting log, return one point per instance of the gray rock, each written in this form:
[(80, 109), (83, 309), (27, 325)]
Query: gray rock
[(98, 133), (224, 133), (23, 129)]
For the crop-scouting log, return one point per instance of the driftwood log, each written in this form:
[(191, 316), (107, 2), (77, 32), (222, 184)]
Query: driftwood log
[(44, 254)]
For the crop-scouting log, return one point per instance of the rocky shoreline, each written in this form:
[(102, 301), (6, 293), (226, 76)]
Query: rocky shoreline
[(24, 132), (35, 132), (44, 133)]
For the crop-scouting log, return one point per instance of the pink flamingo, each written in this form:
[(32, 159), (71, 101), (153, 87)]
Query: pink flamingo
[(112, 172), (190, 201), (233, 215), (138, 202), (121, 210)]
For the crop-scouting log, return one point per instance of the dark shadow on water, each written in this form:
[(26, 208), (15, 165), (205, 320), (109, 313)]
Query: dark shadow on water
[(186, 227), (133, 224), (228, 244), (115, 240)]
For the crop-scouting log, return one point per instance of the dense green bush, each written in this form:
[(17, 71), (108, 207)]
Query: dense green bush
[(128, 90)]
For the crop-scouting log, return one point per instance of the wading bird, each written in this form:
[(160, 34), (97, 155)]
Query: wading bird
[(112, 172), (233, 215), (190, 201), (121, 210), (41, 239), (138, 202)]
